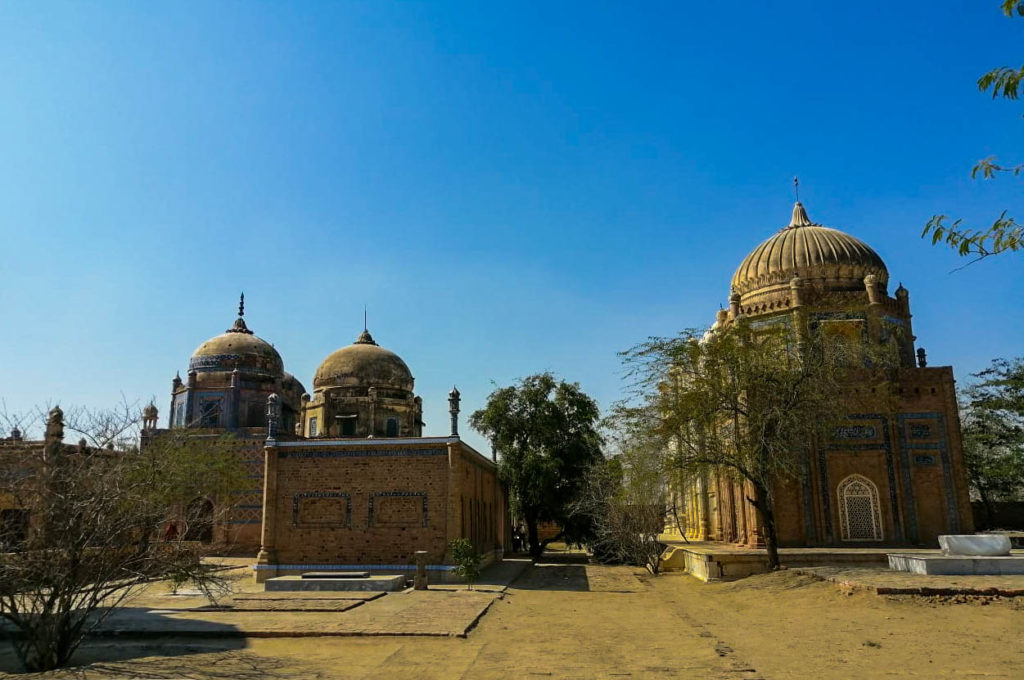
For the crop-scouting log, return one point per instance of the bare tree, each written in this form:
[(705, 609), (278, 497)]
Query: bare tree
[(748, 405), (625, 497), (98, 526)]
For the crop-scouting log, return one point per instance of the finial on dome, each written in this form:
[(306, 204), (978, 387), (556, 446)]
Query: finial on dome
[(239, 325), (796, 188), (800, 218), (364, 338)]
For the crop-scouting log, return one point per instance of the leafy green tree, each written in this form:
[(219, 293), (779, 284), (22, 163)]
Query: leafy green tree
[(745, 405), (546, 433), (1005, 233), (993, 433), (467, 560)]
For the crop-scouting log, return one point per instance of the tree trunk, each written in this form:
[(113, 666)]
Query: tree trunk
[(536, 549), (990, 512), (766, 512)]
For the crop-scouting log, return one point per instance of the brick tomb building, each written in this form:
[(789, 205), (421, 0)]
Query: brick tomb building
[(342, 478), (892, 474)]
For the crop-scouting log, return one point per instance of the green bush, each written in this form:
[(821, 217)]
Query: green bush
[(467, 560)]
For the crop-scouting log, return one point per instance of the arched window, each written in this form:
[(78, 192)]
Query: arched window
[(391, 428), (860, 515)]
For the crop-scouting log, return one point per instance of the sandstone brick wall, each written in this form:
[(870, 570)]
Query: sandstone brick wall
[(907, 445), (351, 503), (909, 448), (481, 507)]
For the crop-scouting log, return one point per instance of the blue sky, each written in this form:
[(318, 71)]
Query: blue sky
[(508, 189)]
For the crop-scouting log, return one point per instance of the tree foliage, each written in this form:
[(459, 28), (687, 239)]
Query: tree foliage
[(467, 560), (993, 434), (1005, 234), (626, 498), (96, 528), (546, 433), (746, 405)]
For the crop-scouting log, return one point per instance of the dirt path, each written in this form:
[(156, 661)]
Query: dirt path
[(583, 621)]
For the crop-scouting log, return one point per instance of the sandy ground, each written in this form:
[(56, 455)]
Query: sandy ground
[(584, 621), (884, 581), (788, 625)]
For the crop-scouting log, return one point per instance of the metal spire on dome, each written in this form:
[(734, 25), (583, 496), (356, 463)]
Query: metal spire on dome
[(800, 218), (364, 338), (240, 326)]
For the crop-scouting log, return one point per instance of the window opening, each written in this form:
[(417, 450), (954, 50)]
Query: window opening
[(209, 412), (859, 510)]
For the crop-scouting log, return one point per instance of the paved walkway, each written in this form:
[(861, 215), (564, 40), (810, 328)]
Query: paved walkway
[(441, 613), (250, 612)]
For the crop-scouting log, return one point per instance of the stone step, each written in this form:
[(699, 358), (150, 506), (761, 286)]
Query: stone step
[(336, 574), (384, 583)]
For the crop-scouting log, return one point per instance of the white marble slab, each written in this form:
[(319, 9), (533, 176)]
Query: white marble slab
[(986, 545), (957, 565)]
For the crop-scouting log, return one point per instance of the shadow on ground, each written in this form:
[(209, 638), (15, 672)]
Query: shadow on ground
[(542, 576), (137, 630)]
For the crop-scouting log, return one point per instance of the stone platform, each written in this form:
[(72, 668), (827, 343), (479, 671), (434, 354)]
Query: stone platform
[(711, 561), (957, 565), (385, 583)]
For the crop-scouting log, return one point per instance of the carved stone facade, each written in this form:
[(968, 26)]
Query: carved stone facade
[(893, 475)]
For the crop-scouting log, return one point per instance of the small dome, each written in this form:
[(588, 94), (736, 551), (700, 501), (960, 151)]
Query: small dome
[(364, 363), (820, 255), (237, 347), (291, 385)]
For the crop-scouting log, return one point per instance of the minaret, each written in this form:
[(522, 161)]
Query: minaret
[(903, 297), (175, 386), (273, 416), (54, 436), (149, 417), (734, 305), (453, 409)]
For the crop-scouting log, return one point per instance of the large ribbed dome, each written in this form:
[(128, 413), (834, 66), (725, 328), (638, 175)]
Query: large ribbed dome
[(237, 347), (363, 364), (819, 255)]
